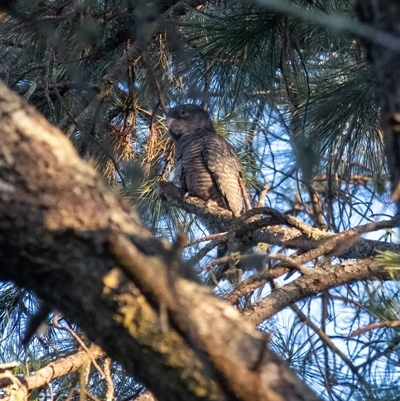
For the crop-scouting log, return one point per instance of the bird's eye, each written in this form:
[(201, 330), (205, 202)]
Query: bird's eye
[(183, 113)]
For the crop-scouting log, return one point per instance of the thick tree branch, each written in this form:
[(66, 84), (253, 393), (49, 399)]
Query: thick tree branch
[(53, 370), (66, 237), (318, 280), (298, 235), (61, 367)]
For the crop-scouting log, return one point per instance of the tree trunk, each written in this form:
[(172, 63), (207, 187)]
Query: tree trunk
[(384, 15)]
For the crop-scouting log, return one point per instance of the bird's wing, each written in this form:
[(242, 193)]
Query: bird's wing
[(224, 166)]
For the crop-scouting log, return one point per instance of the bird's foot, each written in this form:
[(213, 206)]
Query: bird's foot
[(210, 205)]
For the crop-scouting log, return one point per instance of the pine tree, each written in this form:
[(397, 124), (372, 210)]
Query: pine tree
[(295, 99)]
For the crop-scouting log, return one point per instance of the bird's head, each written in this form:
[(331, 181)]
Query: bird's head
[(186, 119)]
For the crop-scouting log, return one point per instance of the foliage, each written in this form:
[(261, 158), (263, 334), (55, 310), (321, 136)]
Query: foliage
[(389, 260), (293, 98)]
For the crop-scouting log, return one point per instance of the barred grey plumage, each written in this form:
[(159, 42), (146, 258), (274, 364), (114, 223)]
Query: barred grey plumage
[(208, 166)]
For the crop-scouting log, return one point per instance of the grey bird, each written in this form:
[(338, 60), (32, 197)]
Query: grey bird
[(208, 166)]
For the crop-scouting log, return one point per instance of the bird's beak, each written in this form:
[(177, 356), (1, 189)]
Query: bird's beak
[(170, 120)]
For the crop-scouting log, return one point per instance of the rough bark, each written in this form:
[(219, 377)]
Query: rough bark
[(45, 375), (66, 237), (61, 367), (318, 280), (277, 229)]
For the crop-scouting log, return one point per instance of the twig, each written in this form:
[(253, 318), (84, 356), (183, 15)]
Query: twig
[(288, 262), (91, 396), (325, 339), (373, 326), (263, 194), (316, 207), (80, 342), (51, 391), (235, 256), (202, 253), (244, 194), (220, 236), (156, 83), (108, 379), (207, 82), (46, 82), (281, 218), (345, 240)]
